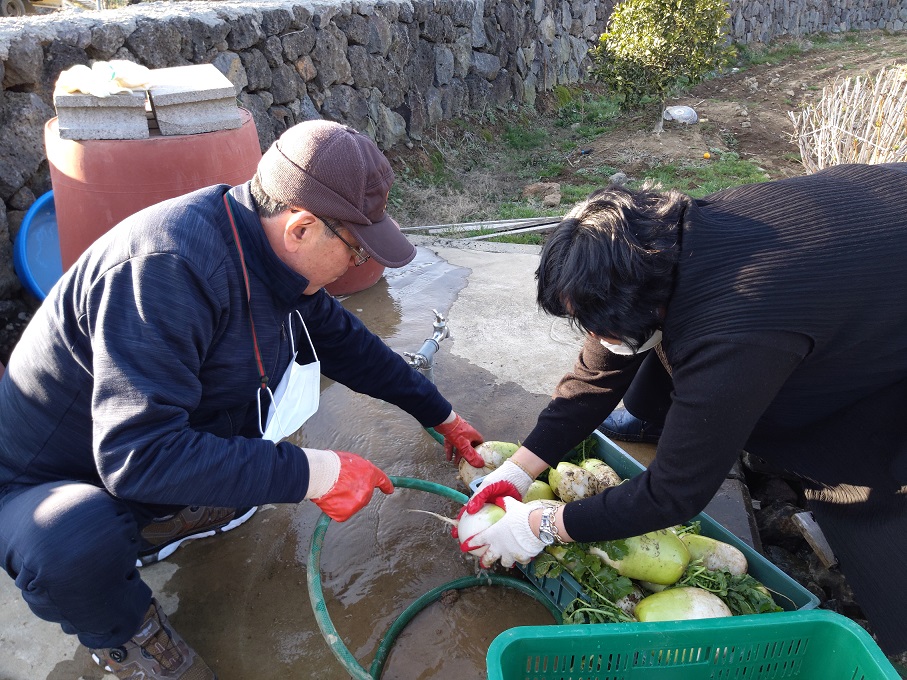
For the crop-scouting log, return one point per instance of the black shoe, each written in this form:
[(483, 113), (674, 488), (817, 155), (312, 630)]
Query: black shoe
[(625, 427)]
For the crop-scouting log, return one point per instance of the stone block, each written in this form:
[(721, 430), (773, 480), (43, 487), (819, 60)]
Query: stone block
[(193, 99), (196, 117), (85, 116)]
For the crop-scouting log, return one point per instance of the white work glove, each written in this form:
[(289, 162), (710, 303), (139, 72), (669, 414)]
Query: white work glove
[(508, 472), (510, 539)]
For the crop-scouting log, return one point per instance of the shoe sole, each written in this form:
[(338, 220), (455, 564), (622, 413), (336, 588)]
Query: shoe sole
[(171, 548), (632, 438), (98, 660)]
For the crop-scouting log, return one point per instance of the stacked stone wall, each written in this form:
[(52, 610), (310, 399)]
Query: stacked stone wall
[(390, 68), (762, 21)]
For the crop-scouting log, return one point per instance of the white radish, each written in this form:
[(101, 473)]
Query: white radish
[(658, 556), (650, 587), (603, 472), (493, 453), (715, 555), (629, 601), (539, 491), (571, 482), (471, 524), (681, 604)]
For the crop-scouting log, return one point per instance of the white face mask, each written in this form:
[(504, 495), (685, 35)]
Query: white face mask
[(626, 350), (297, 395)]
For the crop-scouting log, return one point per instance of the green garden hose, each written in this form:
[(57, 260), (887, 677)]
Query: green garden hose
[(316, 595), (437, 435)]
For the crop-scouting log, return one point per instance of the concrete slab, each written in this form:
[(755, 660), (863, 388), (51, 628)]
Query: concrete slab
[(194, 118), (193, 99), (182, 100), (84, 116)]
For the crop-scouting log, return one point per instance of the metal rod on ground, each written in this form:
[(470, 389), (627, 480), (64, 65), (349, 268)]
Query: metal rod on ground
[(496, 225), (508, 232)]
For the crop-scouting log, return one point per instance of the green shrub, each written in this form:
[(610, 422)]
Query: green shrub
[(652, 47)]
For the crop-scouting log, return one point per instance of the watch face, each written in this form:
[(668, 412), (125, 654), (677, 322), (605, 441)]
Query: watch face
[(546, 537)]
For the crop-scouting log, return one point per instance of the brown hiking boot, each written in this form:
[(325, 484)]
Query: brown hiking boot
[(160, 539), (156, 652)]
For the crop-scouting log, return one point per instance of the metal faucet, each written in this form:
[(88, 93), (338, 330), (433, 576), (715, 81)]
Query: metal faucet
[(424, 359)]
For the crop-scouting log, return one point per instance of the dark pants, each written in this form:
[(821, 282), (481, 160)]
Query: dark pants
[(72, 547), (649, 395)]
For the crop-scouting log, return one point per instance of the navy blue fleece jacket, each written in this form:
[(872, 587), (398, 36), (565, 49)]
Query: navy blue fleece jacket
[(138, 372)]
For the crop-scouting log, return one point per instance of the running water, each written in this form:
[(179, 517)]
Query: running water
[(377, 563)]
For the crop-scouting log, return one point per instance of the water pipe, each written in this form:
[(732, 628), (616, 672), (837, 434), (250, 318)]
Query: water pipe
[(424, 359), (323, 619)]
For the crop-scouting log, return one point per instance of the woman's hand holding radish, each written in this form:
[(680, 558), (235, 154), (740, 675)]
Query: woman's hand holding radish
[(460, 438), (342, 483), (507, 480), (510, 539)]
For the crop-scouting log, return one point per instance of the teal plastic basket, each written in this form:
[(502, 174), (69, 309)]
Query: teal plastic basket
[(808, 645), (787, 593)]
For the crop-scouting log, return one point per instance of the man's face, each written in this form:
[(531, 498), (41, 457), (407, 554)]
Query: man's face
[(327, 256)]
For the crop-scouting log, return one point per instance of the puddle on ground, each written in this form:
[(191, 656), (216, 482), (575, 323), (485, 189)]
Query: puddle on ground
[(244, 604)]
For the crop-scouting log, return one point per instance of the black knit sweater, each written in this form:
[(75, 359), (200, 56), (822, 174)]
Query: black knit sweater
[(789, 307)]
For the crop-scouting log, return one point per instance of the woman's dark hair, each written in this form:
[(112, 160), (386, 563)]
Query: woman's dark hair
[(267, 206), (609, 265)]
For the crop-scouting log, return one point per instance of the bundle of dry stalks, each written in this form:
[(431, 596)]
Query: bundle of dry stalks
[(857, 120)]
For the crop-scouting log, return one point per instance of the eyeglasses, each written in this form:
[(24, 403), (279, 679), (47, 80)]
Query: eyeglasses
[(361, 254)]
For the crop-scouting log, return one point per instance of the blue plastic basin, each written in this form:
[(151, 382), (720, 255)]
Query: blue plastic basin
[(36, 253)]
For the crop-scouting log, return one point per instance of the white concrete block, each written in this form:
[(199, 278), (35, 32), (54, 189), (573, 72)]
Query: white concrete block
[(84, 116), (187, 84), (183, 100), (193, 99), (196, 117)]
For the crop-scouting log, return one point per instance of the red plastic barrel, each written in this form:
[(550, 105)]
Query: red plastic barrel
[(99, 182), (357, 278)]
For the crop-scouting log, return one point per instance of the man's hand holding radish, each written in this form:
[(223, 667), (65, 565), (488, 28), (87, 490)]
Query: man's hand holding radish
[(460, 440)]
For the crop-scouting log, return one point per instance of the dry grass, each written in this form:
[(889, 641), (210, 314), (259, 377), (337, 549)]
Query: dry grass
[(857, 120), (455, 175), (427, 205)]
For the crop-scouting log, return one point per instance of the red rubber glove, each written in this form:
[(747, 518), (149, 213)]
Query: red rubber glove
[(494, 493), (459, 439), (354, 487), (488, 493)]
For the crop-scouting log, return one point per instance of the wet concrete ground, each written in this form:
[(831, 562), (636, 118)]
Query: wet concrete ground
[(241, 599)]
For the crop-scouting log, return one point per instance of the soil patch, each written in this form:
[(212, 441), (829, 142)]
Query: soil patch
[(464, 170)]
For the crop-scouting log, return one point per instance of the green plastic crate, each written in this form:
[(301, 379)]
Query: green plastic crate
[(810, 645), (787, 593)]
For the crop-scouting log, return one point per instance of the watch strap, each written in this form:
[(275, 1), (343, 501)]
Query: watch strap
[(548, 524)]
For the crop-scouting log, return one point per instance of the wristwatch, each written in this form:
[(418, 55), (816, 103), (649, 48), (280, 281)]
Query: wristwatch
[(547, 528)]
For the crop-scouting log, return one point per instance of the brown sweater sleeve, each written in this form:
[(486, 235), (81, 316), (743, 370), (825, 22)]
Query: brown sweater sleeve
[(582, 400)]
